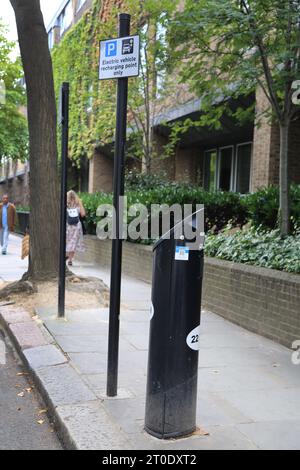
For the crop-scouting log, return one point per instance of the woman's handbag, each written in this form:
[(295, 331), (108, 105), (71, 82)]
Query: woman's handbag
[(72, 216), (25, 246)]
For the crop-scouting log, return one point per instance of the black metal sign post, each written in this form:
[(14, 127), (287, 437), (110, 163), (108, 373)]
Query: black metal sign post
[(116, 267), (64, 119)]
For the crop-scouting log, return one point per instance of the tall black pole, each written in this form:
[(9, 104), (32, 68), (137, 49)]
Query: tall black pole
[(63, 197), (116, 267)]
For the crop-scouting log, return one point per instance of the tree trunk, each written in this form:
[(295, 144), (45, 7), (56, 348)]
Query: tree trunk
[(284, 206), (44, 196)]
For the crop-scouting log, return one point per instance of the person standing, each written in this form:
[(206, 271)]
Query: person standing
[(75, 210), (8, 221)]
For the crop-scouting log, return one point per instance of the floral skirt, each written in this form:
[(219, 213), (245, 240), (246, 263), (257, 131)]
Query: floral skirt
[(75, 238)]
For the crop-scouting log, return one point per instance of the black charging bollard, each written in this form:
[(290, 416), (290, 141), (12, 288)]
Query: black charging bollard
[(174, 339)]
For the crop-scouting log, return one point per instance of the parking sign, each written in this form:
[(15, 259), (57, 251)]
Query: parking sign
[(111, 49), (119, 58)]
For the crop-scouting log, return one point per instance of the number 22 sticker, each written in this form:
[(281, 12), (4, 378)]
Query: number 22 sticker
[(193, 339)]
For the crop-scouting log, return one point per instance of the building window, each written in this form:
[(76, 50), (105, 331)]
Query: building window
[(228, 168), (66, 18), (210, 170), (243, 168), (80, 4), (225, 169), (51, 39)]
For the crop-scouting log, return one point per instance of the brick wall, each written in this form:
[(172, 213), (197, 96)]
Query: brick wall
[(18, 189), (261, 300), (266, 149), (162, 165), (101, 173), (187, 162), (137, 259)]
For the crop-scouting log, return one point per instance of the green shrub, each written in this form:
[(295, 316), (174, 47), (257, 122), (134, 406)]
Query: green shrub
[(91, 203), (220, 208), (136, 181), (257, 247), (23, 209), (263, 207)]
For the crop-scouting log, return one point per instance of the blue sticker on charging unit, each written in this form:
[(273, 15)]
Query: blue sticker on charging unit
[(182, 253)]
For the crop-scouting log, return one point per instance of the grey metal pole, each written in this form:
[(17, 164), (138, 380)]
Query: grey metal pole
[(116, 267), (65, 91)]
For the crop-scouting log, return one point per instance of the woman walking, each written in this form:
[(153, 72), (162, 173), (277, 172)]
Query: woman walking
[(75, 210)]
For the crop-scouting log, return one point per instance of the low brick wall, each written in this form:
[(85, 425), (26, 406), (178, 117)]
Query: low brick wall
[(264, 301)]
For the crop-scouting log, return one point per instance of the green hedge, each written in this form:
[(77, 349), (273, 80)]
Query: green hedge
[(264, 204), (257, 247), (260, 208), (220, 208)]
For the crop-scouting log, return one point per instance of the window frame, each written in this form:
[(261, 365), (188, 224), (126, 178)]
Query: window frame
[(243, 144), (232, 167), (63, 27), (79, 5), (210, 151)]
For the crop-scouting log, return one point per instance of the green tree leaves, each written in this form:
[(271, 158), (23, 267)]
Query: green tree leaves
[(13, 125)]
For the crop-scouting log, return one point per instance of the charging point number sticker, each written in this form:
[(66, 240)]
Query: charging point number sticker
[(152, 311), (182, 253), (193, 339)]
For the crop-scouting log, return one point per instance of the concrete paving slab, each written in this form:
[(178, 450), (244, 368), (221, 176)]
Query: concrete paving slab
[(44, 356), (28, 335), (213, 410), (90, 344), (283, 435), (129, 413), (221, 357), (135, 384), (139, 342), (100, 315), (64, 386), (228, 339), (220, 438), (89, 363), (46, 313), (11, 316), (63, 328), (239, 378), (89, 427), (13, 266), (134, 328), (266, 405)]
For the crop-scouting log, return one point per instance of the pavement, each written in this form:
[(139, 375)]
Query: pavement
[(12, 267), (248, 393)]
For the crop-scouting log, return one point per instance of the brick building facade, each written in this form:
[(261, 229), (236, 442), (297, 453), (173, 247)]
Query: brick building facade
[(235, 158)]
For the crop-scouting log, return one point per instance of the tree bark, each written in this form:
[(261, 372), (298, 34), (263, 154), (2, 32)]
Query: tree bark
[(284, 206), (44, 196)]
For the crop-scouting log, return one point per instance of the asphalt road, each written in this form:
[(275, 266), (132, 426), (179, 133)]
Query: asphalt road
[(19, 415)]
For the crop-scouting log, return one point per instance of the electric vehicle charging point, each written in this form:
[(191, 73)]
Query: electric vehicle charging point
[(171, 400)]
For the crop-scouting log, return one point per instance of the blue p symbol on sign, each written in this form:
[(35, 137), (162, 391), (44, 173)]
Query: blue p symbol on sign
[(111, 49)]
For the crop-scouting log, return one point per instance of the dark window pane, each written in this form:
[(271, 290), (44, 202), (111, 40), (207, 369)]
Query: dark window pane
[(225, 169), (243, 168)]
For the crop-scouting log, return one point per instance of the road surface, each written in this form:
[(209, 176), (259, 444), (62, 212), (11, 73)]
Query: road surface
[(24, 424)]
